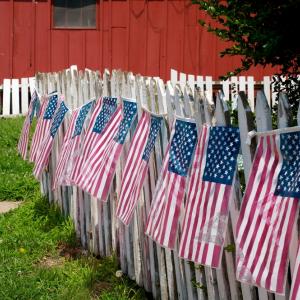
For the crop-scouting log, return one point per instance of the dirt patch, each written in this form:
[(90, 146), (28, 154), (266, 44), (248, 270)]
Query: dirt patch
[(70, 252), (6, 206), (50, 261), (99, 287)]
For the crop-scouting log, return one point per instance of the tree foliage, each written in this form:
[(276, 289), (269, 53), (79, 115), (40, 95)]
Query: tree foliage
[(263, 32)]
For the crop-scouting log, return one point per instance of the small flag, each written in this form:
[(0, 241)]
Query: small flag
[(268, 212), (295, 289), (101, 169), (42, 158), (136, 166), (210, 188), (46, 112), (170, 190), (103, 126), (71, 145), (24, 137)]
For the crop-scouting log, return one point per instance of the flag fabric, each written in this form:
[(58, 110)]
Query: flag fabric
[(71, 145), (103, 126), (170, 190), (100, 169), (24, 137), (136, 166), (268, 212), (47, 110), (42, 158), (295, 289), (208, 196)]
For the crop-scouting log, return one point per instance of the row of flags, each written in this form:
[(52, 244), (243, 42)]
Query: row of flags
[(194, 187)]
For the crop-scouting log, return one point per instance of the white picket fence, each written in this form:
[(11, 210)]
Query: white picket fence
[(15, 96), (14, 93), (159, 270), (230, 87)]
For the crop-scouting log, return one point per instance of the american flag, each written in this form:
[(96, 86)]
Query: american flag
[(101, 168), (103, 126), (268, 212), (71, 145), (170, 190), (24, 137), (209, 193), (136, 166), (45, 147), (295, 289), (47, 111)]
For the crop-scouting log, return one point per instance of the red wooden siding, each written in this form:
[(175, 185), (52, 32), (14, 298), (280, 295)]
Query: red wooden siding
[(145, 36)]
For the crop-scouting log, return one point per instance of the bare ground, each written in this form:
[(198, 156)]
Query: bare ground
[(6, 206)]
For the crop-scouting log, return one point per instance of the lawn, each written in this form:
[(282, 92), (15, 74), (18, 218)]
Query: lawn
[(40, 257), (16, 182)]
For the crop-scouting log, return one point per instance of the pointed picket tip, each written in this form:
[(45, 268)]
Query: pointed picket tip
[(209, 108), (222, 113), (263, 112), (106, 83), (170, 102), (246, 124), (283, 115), (161, 92), (199, 108), (188, 101), (177, 100)]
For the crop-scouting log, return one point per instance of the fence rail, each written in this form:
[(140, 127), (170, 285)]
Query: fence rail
[(157, 269)]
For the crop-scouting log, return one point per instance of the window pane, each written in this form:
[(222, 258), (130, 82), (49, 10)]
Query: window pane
[(89, 13), (59, 13), (74, 13)]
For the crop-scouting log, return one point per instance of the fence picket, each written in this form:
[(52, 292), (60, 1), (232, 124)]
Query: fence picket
[(24, 94), (6, 97)]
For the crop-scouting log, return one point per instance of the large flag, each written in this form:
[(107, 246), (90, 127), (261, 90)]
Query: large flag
[(99, 170), (24, 137), (268, 212), (48, 107), (43, 154), (295, 290), (209, 193), (103, 126), (170, 190), (71, 145), (137, 165)]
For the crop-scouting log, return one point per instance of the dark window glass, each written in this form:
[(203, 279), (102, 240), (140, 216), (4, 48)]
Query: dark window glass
[(74, 13)]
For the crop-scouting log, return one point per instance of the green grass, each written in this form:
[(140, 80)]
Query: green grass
[(16, 181), (39, 255)]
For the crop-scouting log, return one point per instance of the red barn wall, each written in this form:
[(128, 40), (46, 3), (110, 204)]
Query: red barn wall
[(145, 36)]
